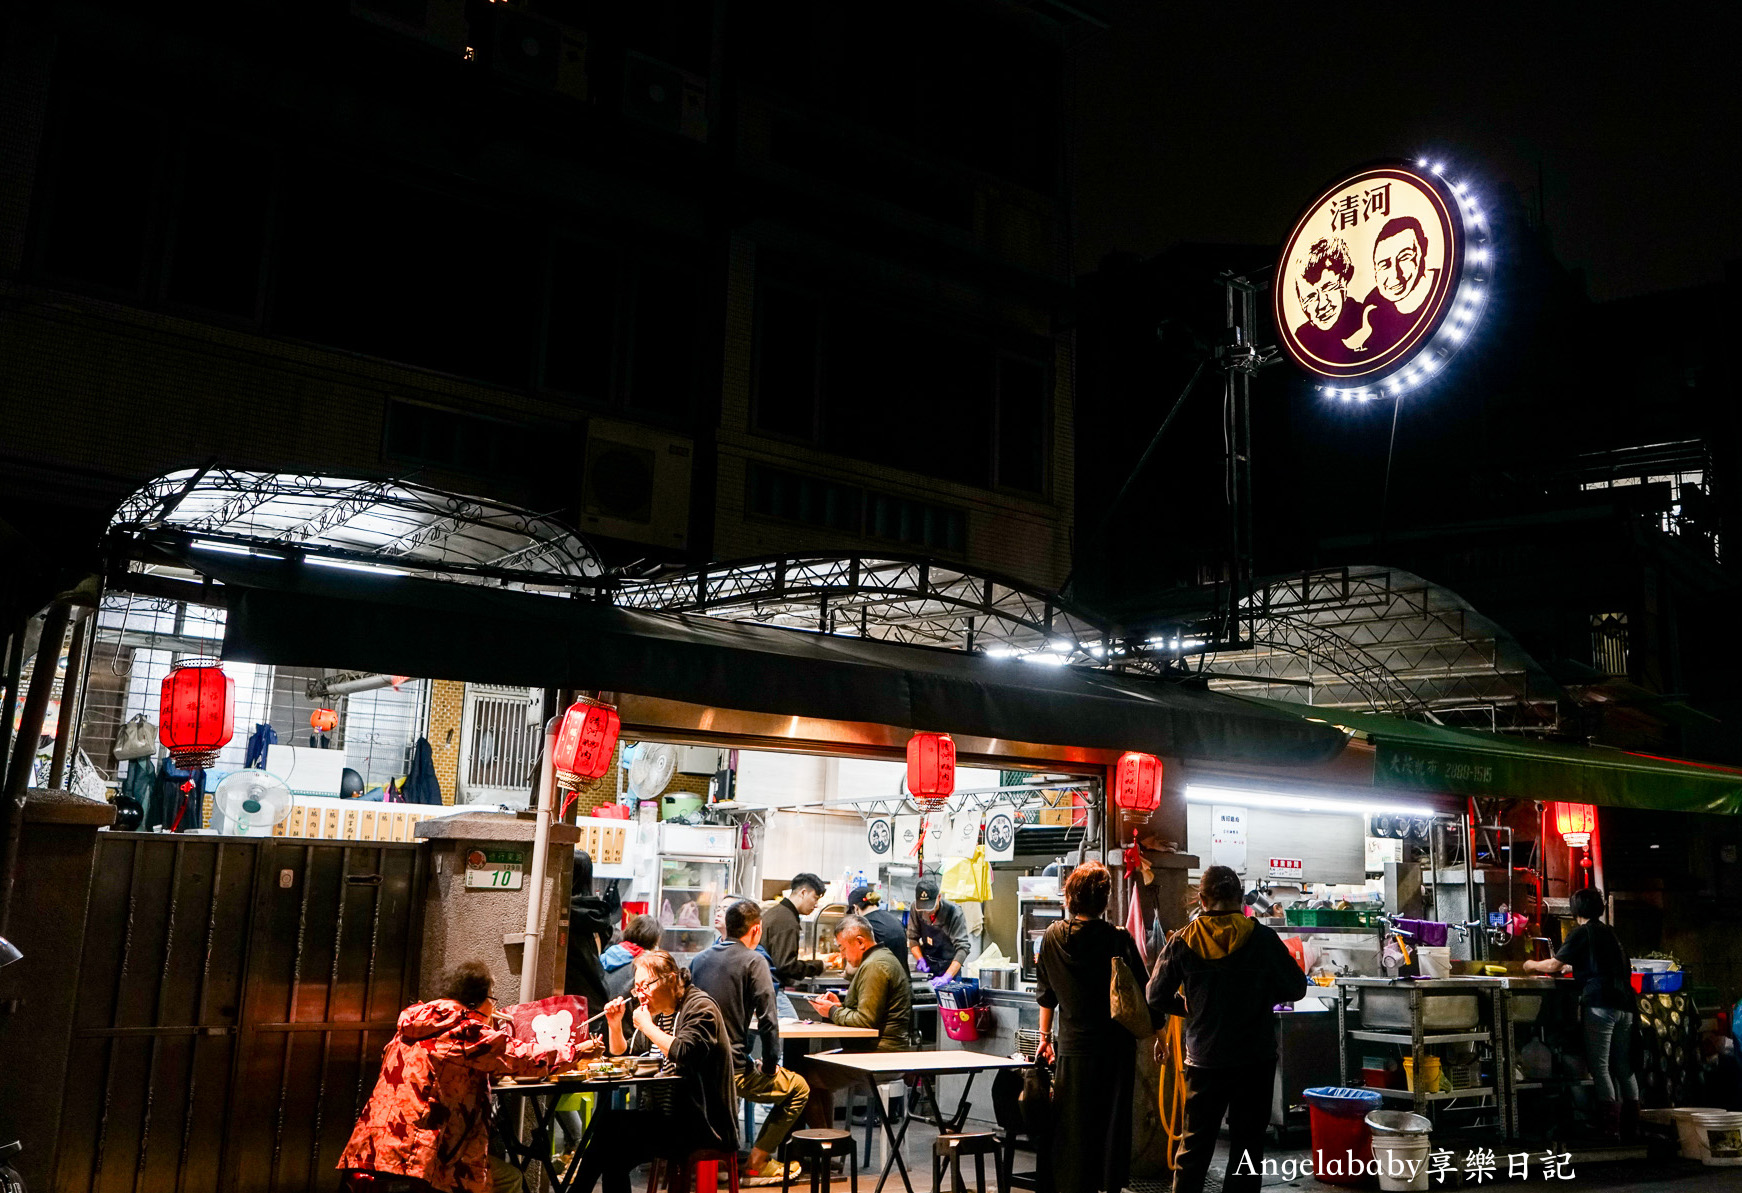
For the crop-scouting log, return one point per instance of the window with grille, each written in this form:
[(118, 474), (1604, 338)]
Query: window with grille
[(1609, 643), (500, 741), (138, 639)]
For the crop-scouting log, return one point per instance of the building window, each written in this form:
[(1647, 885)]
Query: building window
[(427, 435), (849, 509), (218, 237), (788, 343), (859, 380), (1609, 643), (581, 321), (98, 216), (1021, 414), (410, 274)]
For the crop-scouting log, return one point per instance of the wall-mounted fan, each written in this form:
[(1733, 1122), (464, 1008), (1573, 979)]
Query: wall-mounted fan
[(248, 803), (651, 771)]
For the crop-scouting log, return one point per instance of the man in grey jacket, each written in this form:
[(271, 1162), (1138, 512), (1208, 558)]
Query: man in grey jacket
[(937, 933), (737, 977)]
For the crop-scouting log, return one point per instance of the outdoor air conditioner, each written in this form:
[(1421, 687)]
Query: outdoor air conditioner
[(659, 94), (441, 23), (537, 53), (637, 484)]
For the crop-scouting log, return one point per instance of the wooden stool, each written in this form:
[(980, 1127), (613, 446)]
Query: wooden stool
[(820, 1147), (699, 1170), (949, 1149)]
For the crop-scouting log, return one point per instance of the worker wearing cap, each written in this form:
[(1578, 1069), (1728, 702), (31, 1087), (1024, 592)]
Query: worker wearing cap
[(886, 925), (937, 934)]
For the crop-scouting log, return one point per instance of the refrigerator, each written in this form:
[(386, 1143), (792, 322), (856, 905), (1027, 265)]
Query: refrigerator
[(693, 876)]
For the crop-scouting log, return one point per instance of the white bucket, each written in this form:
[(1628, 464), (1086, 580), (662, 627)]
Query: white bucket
[(1399, 1155), (1691, 1137), (1718, 1138), (1436, 962)]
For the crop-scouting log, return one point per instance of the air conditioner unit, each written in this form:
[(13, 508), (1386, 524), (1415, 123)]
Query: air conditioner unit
[(637, 484), (659, 94), (441, 23), (533, 52)]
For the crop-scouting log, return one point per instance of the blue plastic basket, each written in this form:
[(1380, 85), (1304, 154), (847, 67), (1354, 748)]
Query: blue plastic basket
[(959, 996)]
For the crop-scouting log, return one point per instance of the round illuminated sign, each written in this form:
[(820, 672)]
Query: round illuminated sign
[(1382, 277)]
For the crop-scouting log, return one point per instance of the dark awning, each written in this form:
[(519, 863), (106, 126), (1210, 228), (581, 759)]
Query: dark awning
[(1421, 757), (295, 614)]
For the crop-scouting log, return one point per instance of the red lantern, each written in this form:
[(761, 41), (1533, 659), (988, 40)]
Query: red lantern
[(1137, 782), (1575, 823), (585, 743), (931, 767), (323, 720), (196, 714)]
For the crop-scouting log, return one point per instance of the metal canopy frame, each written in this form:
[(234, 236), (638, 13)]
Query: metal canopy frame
[(382, 523), (890, 598), (1375, 638), (1358, 638)]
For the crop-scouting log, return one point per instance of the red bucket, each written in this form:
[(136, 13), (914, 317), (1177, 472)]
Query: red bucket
[(1342, 1141), (963, 1024)]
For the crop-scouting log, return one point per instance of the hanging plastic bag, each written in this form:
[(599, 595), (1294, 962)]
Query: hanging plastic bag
[(137, 739), (967, 879), (1125, 1001)]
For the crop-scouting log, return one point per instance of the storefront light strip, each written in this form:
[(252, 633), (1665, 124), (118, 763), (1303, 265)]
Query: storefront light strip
[(1198, 794)]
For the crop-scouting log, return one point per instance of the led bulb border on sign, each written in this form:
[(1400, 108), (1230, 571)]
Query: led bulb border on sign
[(1464, 310)]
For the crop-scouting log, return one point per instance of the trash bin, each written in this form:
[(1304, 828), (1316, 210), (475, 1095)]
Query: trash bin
[(1342, 1142), (1400, 1148)]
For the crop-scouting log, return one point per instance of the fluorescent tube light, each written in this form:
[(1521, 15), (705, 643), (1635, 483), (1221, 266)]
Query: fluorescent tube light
[(1199, 794)]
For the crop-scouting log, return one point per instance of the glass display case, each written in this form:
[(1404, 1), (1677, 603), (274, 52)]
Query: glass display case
[(690, 889)]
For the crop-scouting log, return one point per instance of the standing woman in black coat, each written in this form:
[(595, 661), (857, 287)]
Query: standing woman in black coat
[(1094, 1058)]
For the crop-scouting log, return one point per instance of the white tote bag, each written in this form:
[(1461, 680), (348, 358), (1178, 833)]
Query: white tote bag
[(137, 739)]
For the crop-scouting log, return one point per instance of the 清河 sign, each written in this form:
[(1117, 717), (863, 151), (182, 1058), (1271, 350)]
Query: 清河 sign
[(1381, 279)]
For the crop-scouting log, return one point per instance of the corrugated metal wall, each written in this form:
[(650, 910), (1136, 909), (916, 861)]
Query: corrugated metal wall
[(234, 999)]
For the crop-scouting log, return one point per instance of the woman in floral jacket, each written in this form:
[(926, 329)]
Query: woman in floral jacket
[(428, 1120)]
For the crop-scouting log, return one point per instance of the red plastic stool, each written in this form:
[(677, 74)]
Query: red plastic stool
[(700, 1171)]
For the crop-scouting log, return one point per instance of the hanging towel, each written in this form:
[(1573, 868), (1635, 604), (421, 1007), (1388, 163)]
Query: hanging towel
[(421, 785), (1134, 923), (141, 785), (264, 735)]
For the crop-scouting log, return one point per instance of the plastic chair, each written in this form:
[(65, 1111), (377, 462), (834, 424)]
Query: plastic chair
[(948, 1150), (699, 1170), (820, 1147)]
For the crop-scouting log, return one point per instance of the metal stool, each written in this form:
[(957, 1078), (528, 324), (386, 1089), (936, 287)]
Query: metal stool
[(949, 1149), (698, 1169), (820, 1147)]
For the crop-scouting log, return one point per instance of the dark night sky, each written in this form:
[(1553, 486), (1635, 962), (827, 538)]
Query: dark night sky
[(1216, 121)]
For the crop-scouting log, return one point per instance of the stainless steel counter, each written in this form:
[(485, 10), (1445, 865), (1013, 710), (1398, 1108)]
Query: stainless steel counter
[(1463, 983)]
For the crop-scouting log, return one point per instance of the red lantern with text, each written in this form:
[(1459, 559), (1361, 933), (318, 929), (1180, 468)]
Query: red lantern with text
[(931, 767), (1137, 782), (196, 714), (1575, 823), (585, 743)]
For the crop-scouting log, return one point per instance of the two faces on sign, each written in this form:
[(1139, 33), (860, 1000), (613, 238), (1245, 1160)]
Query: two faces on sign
[(1368, 273)]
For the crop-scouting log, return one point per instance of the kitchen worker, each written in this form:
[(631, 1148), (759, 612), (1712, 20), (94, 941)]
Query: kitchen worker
[(937, 933), (780, 934), (891, 933), (1604, 974), (1230, 971)]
